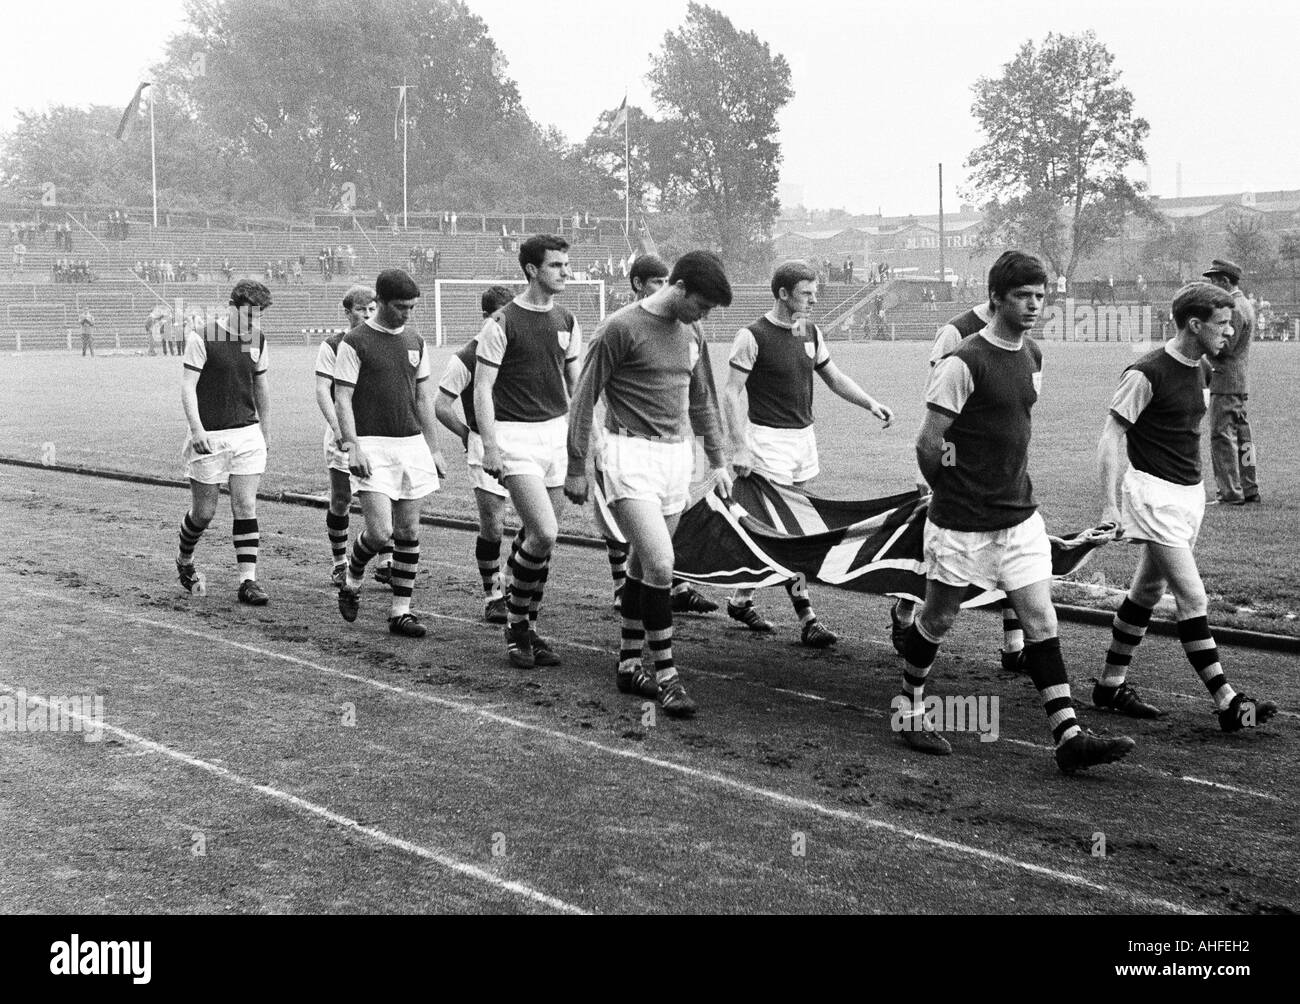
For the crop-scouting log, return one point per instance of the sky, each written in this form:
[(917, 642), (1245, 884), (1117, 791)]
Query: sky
[(882, 91)]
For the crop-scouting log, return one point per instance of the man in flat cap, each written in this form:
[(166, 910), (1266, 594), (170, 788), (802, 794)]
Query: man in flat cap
[(1231, 447)]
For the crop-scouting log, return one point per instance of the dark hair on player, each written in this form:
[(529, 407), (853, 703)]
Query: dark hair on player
[(358, 296), (494, 298), (395, 284), (789, 274), (701, 272), (1199, 300), (1012, 269), (648, 266), (250, 293), (533, 251)]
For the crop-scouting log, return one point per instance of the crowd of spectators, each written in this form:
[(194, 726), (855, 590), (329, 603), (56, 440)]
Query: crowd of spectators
[(332, 261), (72, 270), (166, 271), (425, 261), (118, 225)]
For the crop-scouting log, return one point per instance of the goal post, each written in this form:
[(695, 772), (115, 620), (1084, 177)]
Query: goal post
[(457, 315)]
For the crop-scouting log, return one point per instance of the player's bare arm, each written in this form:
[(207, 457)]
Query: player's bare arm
[(190, 402), (444, 409), (426, 409), (485, 411), (325, 402), (737, 420), (931, 452), (1110, 465), (262, 399), (848, 388), (358, 464)]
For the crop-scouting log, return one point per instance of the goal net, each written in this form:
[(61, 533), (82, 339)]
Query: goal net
[(458, 316)]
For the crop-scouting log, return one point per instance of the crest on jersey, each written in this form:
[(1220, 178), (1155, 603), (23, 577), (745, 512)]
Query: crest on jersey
[(694, 353), (254, 353), (1038, 382), (413, 356), (564, 338), (810, 349)]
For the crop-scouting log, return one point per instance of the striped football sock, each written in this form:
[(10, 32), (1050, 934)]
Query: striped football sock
[(337, 528), (1203, 654), (1126, 633), (247, 539), (487, 553), (657, 612), (406, 559), (525, 568), (632, 636), (190, 534), (1046, 667)]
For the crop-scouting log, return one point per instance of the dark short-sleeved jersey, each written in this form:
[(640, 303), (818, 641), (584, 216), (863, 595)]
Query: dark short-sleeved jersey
[(780, 360), (1161, 401), (227, 364), (386, 369), (458, 380), (530, 349), (989, 390)]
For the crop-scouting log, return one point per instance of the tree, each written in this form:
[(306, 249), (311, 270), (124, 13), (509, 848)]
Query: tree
[(603, 155), (1060, 133), (1173, 248), (720, 90), (1248, 246)]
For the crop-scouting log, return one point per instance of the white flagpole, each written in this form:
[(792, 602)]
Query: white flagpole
[(627, 175), (153, 159), (405, 222)]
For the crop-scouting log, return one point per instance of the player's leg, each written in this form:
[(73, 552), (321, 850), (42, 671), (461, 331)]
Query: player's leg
[(689, 600), (487, 553), (377, 508), (337, 522), (543, 653), (650, 565), (203, 507), (406, 561), (920, 646), (247, 536), (1013, 639), (1236, 710), (616, 552), (1075, 748), (532, 501), (1112, 692)]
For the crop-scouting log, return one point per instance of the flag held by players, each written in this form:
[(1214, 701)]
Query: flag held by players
[(131, 110)]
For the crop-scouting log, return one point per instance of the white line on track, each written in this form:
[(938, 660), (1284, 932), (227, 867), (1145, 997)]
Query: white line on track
[(311, 808), (719, 780)]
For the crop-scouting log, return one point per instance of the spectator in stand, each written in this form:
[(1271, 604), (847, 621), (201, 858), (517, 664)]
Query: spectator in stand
[(1096, 295), (1110, 286), (453, 223), (20, 253), (297, 272), (1144, 298)]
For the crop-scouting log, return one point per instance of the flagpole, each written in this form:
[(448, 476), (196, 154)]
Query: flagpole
[(405, 222), (153, 159), (627, 176)]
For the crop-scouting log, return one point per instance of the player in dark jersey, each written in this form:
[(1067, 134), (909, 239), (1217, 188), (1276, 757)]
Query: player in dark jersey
[(528, 353), (772, 362), (1159, 503), (457, 383), (647, 275), (227, 406), (358, 304), (983, 527), (951, 335), (651, 363), (385, 413)]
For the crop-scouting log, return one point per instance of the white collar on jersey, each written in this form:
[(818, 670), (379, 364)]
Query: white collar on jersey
[(771, 316), (379, 327), (1185, 360)]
